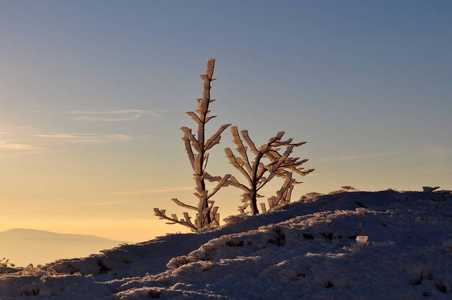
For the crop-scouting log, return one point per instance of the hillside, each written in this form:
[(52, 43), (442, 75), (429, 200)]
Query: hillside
[(345, 245), (25, 246)]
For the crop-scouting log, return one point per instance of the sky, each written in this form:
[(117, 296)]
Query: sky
[(93, 93)]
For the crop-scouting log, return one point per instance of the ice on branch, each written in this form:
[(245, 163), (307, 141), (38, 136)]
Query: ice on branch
[(267, 163), (196, 146), (283, 196)]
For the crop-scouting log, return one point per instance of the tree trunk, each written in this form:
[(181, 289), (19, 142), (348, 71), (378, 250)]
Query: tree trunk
[(253, 204)]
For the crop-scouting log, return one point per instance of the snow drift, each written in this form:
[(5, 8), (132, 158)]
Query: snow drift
[(345, 245)]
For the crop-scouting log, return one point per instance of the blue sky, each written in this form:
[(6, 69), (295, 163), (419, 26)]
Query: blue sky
[(93, 93)]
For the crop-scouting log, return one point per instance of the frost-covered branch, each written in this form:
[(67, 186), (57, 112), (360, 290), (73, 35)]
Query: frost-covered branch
[(283, 196), (161, 213)]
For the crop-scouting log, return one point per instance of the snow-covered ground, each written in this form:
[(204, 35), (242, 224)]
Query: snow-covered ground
[(345, 245)]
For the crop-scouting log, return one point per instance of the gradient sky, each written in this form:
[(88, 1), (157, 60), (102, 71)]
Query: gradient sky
[(93, 93)]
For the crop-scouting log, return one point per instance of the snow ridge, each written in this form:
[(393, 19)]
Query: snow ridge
[(346, 245)]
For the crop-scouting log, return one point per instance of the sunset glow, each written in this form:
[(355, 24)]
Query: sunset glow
[(93, 93)]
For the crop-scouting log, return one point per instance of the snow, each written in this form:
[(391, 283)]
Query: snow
[(344, 245)]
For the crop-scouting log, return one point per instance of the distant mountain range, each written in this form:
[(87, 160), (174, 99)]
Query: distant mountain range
[(25, 246)]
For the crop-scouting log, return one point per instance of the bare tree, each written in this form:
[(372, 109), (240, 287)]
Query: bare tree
[(197, 146), (259, 174)]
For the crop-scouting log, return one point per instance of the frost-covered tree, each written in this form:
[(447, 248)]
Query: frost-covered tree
[(197, 146), (267, 163)]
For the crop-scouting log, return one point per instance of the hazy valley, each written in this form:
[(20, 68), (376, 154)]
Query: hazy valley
[(25, 246)]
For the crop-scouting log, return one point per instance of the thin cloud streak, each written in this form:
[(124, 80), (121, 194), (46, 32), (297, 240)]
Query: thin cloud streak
[(108, 116), (14, 146), (8, 149), (377, 155), (88, 137), (11, 145), (152, 191), (100, 203)]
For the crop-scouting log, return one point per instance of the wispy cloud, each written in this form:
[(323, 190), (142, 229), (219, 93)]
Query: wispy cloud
[(381, 155), (153, 191), (108, 115), (88, 137), (13, 142), (8, 149), (14, 146), (107, 203)]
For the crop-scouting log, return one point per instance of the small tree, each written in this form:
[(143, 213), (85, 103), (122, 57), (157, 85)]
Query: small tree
[(259, 174), (197, 150)]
